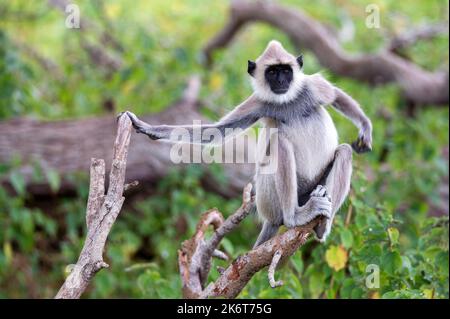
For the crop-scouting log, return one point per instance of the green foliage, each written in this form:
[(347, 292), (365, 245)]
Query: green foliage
[(385, 224), (341, 268)]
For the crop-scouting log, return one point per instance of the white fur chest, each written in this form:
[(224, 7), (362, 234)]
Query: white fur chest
[(314, 140)]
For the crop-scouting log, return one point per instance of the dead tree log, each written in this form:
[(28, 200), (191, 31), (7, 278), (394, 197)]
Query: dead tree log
[(101, 213), (67, 146), (418, 85), (194, 257)]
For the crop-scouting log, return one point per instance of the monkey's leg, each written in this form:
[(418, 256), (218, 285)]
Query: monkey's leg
[(337, 185), (318, 204), (275, 206), (268, 231), (286, 187)]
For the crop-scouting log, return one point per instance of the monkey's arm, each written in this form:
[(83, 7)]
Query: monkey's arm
[(242, 117), (344, 103), (350, 108)]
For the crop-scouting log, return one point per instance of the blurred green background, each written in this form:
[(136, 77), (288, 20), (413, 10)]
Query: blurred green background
[(396, 216)]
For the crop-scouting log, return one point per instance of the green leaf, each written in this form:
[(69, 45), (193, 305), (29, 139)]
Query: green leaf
[(347, 288), (346, 238), (53, 179), (442, 262), (357, 293), (8, 251), (18, 182), (297, 261), (393, 235), (406, 264), (404, 294), (316, 283), (391, 262), (228, 246)]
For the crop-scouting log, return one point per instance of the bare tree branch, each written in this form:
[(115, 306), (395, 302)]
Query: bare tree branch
[(417, 84), (238, 274), (219, 254), (195, 255), (423, 32), (101, 213)]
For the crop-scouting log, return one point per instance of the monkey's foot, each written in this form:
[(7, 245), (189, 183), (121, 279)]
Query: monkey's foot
[(320, 201), (324, 227), (319, 204)]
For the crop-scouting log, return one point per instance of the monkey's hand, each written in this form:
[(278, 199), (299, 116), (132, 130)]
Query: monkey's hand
[(364, 142), (142, 127)]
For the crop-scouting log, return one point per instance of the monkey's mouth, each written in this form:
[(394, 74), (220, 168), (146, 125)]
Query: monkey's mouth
[(280, 90)]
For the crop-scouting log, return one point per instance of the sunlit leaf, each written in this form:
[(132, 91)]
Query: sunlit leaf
[(336, 257), (393, 235)]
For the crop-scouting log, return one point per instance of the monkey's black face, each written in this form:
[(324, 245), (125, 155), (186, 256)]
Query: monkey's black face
[(279, 77)]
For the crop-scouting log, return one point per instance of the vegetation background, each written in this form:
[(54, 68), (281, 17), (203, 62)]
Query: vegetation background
[(395, 216)]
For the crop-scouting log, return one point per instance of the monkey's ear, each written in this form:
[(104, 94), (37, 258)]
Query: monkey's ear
[(300, 60), (251, 67)]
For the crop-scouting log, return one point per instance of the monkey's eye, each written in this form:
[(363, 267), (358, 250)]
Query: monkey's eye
[(271, 72), (286, 71)]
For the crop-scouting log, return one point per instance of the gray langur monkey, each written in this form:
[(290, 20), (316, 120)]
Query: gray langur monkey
[(314, 171)]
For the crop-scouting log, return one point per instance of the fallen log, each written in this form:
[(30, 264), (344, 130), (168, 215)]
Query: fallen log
[(67, 147)]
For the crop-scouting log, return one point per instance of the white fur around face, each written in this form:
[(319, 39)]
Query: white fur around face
[(276, 54), (263, 92)]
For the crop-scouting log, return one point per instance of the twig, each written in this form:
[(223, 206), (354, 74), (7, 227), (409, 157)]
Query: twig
[(348, 217), (130, 185), (273, 266), (219, 254), (101, 214), (423, 32)]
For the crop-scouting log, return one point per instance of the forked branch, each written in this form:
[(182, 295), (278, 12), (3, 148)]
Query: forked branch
[(195, 255), (101, 213)]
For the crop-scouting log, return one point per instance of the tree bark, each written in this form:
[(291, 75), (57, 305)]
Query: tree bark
[(194, 257), (101, 213)]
